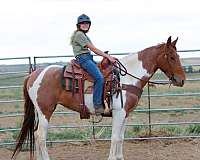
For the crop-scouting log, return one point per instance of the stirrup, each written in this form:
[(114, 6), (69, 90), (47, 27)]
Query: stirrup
[(99, 111)]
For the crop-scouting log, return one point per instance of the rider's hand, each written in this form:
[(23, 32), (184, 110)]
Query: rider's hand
[(112, 59)]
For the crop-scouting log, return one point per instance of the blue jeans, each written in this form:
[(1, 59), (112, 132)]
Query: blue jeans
[(87, 63)]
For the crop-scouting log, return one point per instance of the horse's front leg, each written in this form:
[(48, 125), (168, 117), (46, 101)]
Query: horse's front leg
[(118, 129)]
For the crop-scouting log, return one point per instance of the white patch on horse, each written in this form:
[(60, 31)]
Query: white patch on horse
[(134, 67), (89, 102), (116, 102), (34, 89), (118, 122), (41, 133)]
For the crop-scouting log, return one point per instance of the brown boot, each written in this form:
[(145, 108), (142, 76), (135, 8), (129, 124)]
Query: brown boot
[(99, 111)]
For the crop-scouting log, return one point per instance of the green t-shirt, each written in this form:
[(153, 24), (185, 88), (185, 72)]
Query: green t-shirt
[(79, 42)]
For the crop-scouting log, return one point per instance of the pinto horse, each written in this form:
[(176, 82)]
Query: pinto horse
[(43, 91)]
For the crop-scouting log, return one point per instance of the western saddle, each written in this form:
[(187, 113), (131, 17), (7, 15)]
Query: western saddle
[(75, 77)]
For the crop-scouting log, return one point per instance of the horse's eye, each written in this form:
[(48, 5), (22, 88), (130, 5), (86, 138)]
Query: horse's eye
[(172, 58)]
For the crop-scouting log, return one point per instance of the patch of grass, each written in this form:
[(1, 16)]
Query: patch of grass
[(103, 132), (17, 106), (15, 134), (171, 130), (193, 129), (8, 80), (69, 134), (14, 93), (134, 131)]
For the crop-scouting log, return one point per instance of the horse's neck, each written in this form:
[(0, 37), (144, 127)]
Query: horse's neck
[(135, 66)]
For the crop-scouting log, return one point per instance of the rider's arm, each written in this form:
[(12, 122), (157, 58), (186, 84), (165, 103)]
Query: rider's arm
[(99, 52)]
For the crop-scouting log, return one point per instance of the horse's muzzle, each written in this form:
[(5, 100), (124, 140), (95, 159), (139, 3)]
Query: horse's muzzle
[(176, 81)]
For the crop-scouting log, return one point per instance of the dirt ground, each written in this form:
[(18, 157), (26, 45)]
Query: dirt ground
[(133, 150)]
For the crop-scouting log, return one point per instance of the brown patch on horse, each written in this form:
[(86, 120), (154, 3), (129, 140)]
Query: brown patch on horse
[(32, 77), (131, 102), (47, 102), (46, 98), (147, 60), (133, 94), (167, 60)]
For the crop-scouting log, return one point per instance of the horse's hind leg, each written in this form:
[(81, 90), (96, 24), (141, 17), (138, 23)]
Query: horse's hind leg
[(40, 138), (41, 131), (40, 134)]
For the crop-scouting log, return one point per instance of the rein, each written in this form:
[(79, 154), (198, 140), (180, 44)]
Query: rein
[(124, 72)]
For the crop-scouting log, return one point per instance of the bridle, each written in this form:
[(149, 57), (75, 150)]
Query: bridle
[(123, 71), (166, 55)]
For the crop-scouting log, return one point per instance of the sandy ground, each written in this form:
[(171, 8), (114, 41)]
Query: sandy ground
[(133, 150)]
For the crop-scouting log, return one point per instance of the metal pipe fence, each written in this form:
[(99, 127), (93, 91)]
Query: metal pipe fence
[(148, 111)]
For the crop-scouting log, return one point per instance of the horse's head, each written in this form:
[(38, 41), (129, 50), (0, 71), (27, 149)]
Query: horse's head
[(170, 64)]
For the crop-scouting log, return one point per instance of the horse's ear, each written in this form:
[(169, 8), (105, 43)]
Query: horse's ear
[(169, 41), (174, 42)]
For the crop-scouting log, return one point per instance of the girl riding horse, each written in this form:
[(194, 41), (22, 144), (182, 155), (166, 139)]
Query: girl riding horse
[(82, 47)]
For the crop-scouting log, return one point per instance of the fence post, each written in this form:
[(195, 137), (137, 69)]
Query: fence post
[(30, 65), (34, 61), (149, 107)]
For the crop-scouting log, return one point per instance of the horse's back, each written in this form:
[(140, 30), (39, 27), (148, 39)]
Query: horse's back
[(47, 72)]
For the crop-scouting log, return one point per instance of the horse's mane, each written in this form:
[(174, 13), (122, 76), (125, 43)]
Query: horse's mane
[(150, 48), (146, 50)]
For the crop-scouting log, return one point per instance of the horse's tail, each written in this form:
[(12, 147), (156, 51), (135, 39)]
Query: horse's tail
[(27, 130)]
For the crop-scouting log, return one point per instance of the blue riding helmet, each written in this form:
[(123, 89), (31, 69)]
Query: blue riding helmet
[(83, 18)]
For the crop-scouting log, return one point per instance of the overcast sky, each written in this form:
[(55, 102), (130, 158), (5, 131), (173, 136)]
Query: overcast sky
[(44, 27)]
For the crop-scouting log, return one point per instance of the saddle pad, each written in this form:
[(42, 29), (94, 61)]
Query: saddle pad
[(73, 70)]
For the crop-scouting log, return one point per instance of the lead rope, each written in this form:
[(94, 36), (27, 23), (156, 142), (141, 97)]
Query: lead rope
[(123, 72)]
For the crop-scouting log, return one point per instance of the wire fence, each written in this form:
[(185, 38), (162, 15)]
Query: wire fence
[(94, 127)]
